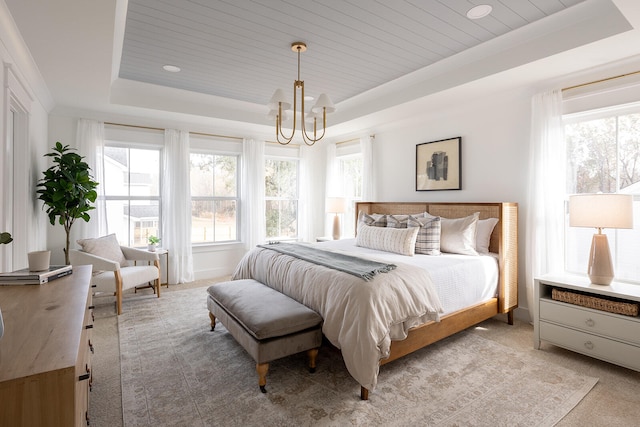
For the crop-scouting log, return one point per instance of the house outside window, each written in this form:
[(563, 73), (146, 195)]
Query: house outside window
[(281, 198), (132, 192), (215, 197), (603, 155)]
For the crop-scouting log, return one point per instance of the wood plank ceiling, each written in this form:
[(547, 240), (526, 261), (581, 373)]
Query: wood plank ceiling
[(240, 49)]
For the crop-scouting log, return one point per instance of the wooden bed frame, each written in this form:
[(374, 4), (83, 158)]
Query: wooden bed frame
[(504, 242)]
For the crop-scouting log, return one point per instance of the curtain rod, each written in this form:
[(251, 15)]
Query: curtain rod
[(162, 130), (219, 136), (606, 79), (372, 136)]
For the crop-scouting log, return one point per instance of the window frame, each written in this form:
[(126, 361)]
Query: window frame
[(138, 145), (237, 198), (571, 234), (297, 160)]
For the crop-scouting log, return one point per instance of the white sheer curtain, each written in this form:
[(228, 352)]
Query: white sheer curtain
[(368, 175), (90, 144), (305, 220), (176, 205), (332, 185), (253, 204), (545, 211)]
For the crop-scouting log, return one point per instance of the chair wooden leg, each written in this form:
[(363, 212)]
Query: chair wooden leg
[(118, 291)]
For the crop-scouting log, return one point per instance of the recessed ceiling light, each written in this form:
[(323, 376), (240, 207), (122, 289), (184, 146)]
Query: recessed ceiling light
[(479, 11), (171, 68)]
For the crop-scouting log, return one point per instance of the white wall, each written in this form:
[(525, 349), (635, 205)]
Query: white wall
[(21, 161)]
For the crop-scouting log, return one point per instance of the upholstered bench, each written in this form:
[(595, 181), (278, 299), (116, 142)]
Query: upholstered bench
[(268, 324)]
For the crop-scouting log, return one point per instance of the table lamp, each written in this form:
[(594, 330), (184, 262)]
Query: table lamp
[(601, 211), (336, 205)]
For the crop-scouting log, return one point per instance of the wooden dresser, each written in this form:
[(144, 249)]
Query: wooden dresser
[(45, 354)]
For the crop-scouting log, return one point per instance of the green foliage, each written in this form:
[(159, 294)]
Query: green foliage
[(5, 238), (67, 189), (153, 240)]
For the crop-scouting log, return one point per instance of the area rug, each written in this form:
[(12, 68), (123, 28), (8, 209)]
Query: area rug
[(177, 372)]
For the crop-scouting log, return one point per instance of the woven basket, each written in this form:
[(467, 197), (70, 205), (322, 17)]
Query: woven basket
[(618, 307)]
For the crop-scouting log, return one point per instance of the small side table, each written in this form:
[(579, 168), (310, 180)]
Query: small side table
[(160, 253)]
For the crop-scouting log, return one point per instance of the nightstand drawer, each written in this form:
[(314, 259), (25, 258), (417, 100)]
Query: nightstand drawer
[(591, 345), (591, 321)]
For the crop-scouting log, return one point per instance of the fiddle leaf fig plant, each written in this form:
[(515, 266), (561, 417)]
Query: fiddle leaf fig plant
[(67, 190)]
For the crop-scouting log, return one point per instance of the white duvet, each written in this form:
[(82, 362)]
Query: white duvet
[(361, 318)]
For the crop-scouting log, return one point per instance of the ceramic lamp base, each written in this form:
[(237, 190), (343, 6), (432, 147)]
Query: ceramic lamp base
[(336, 227), (600, 268)]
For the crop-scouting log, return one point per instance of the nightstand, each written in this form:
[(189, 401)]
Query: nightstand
[(576, 326), (161, 252)]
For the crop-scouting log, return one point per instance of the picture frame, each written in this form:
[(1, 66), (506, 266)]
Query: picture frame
[(439, 165)]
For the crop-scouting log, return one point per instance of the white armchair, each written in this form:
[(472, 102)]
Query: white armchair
[(114, 278)]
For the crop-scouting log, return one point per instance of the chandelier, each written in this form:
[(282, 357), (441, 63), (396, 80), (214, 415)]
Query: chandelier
[(278, 105)]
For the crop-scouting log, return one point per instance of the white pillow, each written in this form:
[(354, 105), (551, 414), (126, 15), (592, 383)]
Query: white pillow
[(105, 247), (483, 234), (397, 240), (458, 236)]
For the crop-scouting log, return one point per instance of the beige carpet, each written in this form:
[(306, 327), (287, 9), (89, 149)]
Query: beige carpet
[(175, 371)]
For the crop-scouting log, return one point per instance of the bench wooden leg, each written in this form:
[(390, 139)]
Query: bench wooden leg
[(313, 354), (213, 321), (364, 393), (510, 317), (262, 369)]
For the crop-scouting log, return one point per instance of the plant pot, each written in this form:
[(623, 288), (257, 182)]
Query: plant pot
[(151, 247)]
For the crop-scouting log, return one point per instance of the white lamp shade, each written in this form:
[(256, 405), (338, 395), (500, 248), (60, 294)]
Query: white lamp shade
[(323, 102), (278, 97), (336, 205), (601, 210)]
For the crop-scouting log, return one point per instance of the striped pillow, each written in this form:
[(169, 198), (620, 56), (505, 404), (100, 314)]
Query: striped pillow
[(428, 239), (375, 220), (399, 241)]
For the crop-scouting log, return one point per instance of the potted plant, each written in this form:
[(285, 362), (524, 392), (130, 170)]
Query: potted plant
[(5, 238), (67, 190), (153, 243)]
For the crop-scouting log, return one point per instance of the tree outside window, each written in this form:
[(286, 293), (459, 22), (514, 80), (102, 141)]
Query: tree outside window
[(281, 199)]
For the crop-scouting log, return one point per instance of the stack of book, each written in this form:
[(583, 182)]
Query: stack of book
[(26, 277)]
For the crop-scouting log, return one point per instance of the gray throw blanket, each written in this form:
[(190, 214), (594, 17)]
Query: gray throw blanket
[(363, 268)]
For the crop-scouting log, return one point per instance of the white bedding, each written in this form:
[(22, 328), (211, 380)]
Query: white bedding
[(460, 280), (362, 318)]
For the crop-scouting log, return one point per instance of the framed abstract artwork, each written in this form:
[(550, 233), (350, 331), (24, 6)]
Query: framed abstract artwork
[(439, 165)]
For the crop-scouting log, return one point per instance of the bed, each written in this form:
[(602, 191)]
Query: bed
[(365, 344)]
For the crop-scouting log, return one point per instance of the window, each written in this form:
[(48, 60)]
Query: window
[(214, 197), (132, 192), (281, 198), (603, 155), (351, 181)]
